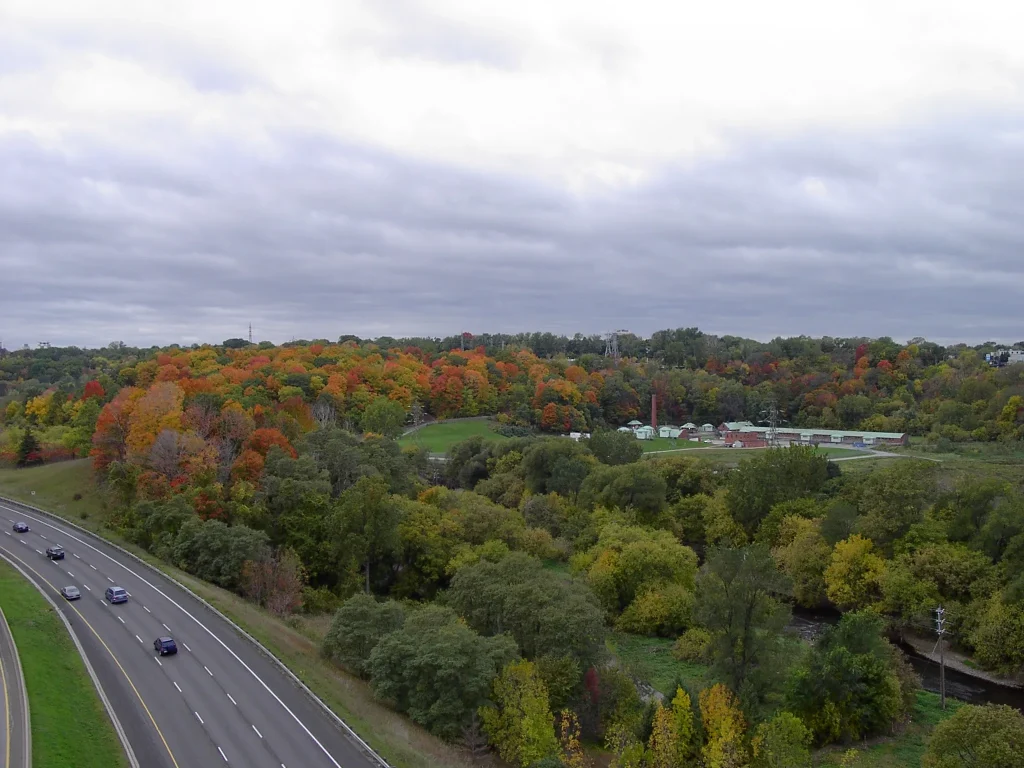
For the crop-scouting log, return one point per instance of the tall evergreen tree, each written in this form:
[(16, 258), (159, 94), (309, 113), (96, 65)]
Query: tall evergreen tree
[(28, 450)]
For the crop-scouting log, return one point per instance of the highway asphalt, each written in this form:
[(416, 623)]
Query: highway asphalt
[(15, 733), (219, 701)]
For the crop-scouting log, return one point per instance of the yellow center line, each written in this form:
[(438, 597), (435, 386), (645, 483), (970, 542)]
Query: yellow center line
[(7, 714), (112, 656)]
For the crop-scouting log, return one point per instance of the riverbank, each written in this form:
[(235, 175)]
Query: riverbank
[(928, 649)]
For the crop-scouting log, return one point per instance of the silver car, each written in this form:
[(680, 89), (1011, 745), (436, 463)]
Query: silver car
[(70, 593)]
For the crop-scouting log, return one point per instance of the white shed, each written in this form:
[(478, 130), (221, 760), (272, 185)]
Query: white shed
[(644, 433)]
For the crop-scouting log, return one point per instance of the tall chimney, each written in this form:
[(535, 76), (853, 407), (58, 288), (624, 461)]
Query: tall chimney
[(654, 412)]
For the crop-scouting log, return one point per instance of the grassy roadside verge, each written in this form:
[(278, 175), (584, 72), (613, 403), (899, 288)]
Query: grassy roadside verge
[(69, 724), (402, 743)]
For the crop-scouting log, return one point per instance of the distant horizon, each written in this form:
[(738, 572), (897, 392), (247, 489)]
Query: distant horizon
[(945, 342)]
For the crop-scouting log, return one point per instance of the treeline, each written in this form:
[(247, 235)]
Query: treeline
[(946, 394)]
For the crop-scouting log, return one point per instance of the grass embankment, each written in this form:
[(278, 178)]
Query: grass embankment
[(296, 643), (439, 438), (69, 724)]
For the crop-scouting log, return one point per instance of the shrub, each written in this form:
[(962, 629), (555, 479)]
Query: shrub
[(693, 645)]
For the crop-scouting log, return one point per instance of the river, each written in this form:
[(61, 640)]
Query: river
[(958, 684)]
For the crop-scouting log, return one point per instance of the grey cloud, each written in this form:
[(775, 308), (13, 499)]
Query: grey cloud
[(320, 238)]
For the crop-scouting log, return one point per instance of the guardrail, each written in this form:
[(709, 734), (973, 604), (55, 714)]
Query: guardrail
[(366, 748)]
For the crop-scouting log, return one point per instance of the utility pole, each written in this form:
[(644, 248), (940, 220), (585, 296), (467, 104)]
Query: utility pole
[(940, 630)]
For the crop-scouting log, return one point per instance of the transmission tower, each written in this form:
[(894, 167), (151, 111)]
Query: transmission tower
[(611, 344), (770, 416)]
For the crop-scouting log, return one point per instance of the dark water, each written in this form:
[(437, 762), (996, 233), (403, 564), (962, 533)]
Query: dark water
[(962, 686), (958, 685)]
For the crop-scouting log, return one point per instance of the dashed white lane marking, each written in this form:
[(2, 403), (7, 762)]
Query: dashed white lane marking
[(129, 594), (166, 627), (110, 580), (39, 551), (25, 543), (158, 661), (138, 638), (208, 670), (147, 609), (92, 566), (232, 700), (43, 537), (200, 719), (257, 731), (7, 532), (120, 619), (76, 555), (178, 687), (222, 754), (71, 574), (87, 587), (187, 648)]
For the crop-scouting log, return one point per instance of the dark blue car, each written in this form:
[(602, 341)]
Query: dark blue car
[(165, 646)]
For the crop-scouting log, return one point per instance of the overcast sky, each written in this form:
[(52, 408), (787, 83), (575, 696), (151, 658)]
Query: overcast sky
[(171, 172)]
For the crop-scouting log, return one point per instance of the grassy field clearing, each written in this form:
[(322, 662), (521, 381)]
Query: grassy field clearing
[(439, 438), (69, 724), (650, 659)]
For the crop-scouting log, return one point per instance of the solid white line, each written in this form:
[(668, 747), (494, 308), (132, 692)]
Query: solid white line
[(138, 638), (158, 660), (200, 719), (222, 754), (208, 670), (187, 648), (232, 699), (178, 687), (87, 587), (147, 609), (166, 627), (206, 629), (257, 731)]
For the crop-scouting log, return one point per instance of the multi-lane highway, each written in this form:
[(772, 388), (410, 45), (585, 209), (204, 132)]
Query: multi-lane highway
[(219, 701), (15, 733)]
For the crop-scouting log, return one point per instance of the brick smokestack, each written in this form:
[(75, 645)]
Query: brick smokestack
[(654, 412)]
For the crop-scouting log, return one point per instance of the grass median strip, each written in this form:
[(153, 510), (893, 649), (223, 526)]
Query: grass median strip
[(69, 723)]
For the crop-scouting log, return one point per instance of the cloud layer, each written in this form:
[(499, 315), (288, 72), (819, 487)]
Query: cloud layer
[(338, 169)]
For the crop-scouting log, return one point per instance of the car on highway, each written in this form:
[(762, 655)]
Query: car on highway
[(20, 527), (70, 593), (116, 594), (165, 646), (55, 552)]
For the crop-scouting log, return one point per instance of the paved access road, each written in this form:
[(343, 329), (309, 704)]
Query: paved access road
[(15, 733), (219, 701)]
